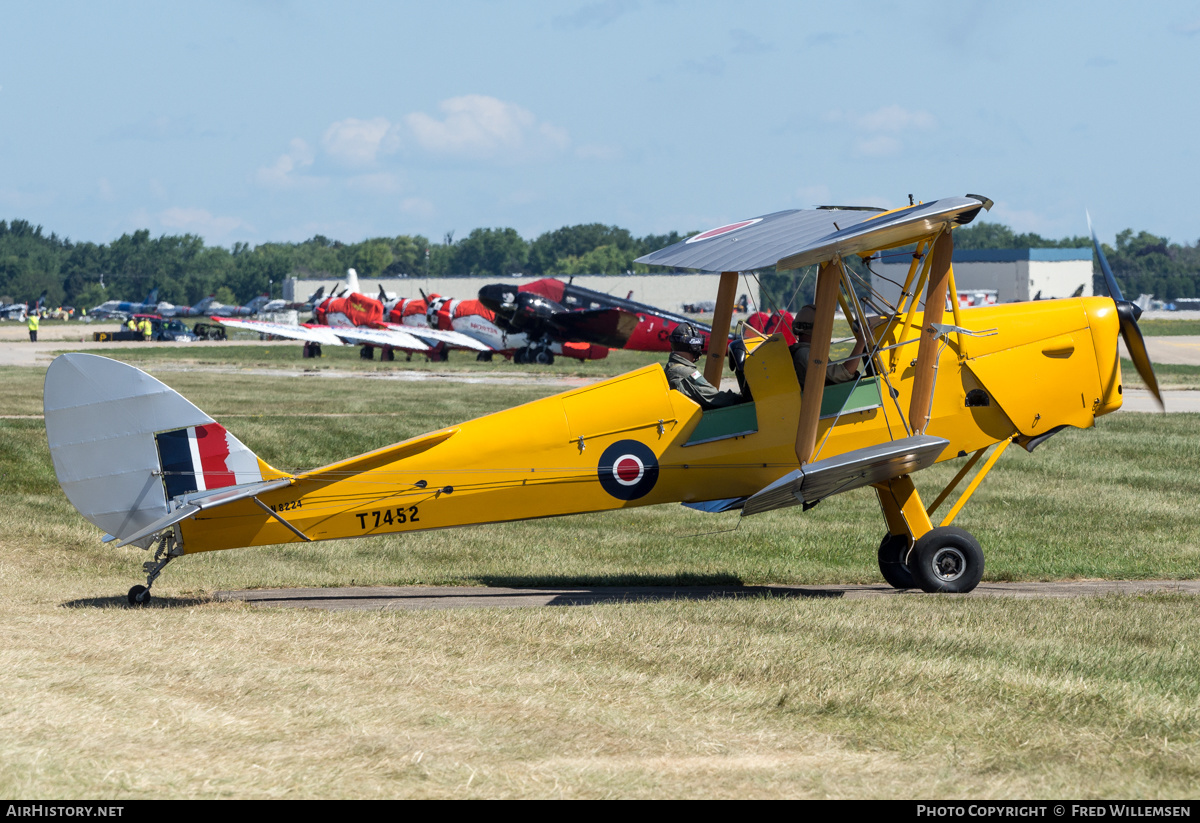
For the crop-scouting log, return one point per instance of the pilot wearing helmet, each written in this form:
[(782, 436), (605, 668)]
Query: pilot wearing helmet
[(683, 376), (802, 327)]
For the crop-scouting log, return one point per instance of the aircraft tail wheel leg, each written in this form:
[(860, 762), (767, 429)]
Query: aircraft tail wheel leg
[(946, 559), (166, 552), (893, 555)]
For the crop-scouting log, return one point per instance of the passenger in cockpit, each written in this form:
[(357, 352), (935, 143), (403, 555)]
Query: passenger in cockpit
[(802, 327), (683, 376)]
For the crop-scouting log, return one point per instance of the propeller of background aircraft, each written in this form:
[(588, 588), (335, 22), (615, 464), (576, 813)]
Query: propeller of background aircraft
[(1128, 313)]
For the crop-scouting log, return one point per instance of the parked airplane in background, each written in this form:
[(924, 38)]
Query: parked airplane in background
[(535, 330), (654, 325), (779, 320), (350, 318), (433, 326), (124, 308), (14, 311)]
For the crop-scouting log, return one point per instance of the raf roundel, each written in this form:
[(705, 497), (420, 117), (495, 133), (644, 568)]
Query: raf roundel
[(720, 230), (628, 470)]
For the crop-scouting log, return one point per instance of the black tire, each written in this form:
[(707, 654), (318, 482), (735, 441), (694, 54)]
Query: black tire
[(544, 358), (484, 357), (893, 553), (946, 559), (139, 596), (521, 356)]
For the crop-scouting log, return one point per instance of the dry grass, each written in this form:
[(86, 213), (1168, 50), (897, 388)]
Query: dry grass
[(915, 696), (927, 697)]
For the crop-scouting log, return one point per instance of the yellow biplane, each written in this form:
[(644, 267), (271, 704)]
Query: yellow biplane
[(151, 469)]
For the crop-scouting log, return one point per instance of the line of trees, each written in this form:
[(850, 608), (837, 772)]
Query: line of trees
[(184, 269)]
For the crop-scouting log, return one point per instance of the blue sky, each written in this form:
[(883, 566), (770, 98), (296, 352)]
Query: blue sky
[(261, 121)]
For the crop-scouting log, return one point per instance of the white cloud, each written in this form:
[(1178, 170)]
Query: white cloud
[(417, 207), (473, 127), (200, 221), (481, 127), (878, 133), (284, 172), (355, 142)]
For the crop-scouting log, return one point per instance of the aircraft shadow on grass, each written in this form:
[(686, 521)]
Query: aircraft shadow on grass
[(123, 603)]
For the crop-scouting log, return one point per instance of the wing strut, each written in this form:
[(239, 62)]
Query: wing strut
[(828, 278), (935, 308), (718, 340)]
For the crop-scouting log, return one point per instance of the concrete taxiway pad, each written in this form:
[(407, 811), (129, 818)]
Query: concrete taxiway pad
[(476, 597)]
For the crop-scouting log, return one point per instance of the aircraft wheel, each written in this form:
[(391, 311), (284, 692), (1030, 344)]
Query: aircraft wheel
[(893, 550), (484, 357), (521, 356), (946, 559), (544, 358), (139, 596)]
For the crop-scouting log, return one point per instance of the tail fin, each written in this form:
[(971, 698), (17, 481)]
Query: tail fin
[(125, 446)]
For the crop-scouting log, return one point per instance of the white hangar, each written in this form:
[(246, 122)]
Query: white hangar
[(1014, 274)]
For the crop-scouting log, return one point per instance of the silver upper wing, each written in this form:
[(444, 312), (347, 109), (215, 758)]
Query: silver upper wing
[(797, 238)]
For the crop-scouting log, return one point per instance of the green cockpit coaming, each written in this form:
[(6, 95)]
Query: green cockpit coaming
[(721, 424), (857, 395)]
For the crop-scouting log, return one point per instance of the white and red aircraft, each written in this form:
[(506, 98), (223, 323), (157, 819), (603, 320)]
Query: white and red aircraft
[(352, 319)]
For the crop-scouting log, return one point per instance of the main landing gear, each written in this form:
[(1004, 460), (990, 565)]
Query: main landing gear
[(537, 352), (944, 559), (167, 551), (916, 554)]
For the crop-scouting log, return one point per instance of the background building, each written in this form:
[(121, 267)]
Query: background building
[(1015, 274)]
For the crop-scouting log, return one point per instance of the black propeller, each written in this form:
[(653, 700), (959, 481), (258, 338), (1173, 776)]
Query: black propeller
[(1128, 314)]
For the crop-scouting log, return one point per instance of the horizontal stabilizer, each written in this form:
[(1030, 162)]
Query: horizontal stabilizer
[(852, 470), (193, 503)]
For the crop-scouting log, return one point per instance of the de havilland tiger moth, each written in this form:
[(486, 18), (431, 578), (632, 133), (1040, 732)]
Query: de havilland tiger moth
[(151, 469)]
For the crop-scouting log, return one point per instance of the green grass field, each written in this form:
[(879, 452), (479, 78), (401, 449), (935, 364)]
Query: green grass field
[(1167, 327), (1169, 375), (915, 696)]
